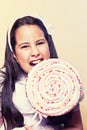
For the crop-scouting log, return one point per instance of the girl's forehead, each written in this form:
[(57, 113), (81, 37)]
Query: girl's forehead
[(28, 32), (29, 26), (24, 29)]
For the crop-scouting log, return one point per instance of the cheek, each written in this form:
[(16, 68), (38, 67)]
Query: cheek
[(46, 52), (23, 61), (21, 57)]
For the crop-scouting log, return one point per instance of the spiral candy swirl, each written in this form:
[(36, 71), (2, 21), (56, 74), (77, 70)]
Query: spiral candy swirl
[(53, 87)]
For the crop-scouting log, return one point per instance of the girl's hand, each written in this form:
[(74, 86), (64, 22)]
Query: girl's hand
[(1, 122), (28, 127)]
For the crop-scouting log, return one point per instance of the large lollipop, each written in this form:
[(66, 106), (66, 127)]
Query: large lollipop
[(53, 87)]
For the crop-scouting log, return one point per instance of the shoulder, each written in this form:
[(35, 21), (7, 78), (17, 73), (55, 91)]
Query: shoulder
[(2, 75)]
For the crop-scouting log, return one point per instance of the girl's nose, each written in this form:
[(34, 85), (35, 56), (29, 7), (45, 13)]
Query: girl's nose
[(35, 52)]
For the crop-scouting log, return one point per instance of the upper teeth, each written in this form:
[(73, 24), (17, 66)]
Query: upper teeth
[(36, 62)]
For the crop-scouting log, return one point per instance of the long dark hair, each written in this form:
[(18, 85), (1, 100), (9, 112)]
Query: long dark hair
[(10, 113)]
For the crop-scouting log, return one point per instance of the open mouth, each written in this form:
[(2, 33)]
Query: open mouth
[(35, 62)]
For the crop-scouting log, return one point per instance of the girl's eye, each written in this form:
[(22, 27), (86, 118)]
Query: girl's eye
[(40, 43), (24, 46)]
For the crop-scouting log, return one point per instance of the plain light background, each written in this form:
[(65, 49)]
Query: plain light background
[(66, 21)]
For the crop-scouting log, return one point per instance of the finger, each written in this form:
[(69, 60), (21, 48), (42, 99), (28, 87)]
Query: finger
[(28, 127)]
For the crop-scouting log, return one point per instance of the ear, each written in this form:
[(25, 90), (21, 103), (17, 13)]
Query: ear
[(15, 57)]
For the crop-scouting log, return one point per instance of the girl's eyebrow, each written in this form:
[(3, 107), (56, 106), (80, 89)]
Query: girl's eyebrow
[(22, 43), (41, 40), (26, 42)]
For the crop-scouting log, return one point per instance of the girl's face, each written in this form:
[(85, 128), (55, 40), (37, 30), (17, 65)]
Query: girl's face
[(31, 46)]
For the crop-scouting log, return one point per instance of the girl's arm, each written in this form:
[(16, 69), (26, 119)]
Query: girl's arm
[(75, 123), (1, 121)]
